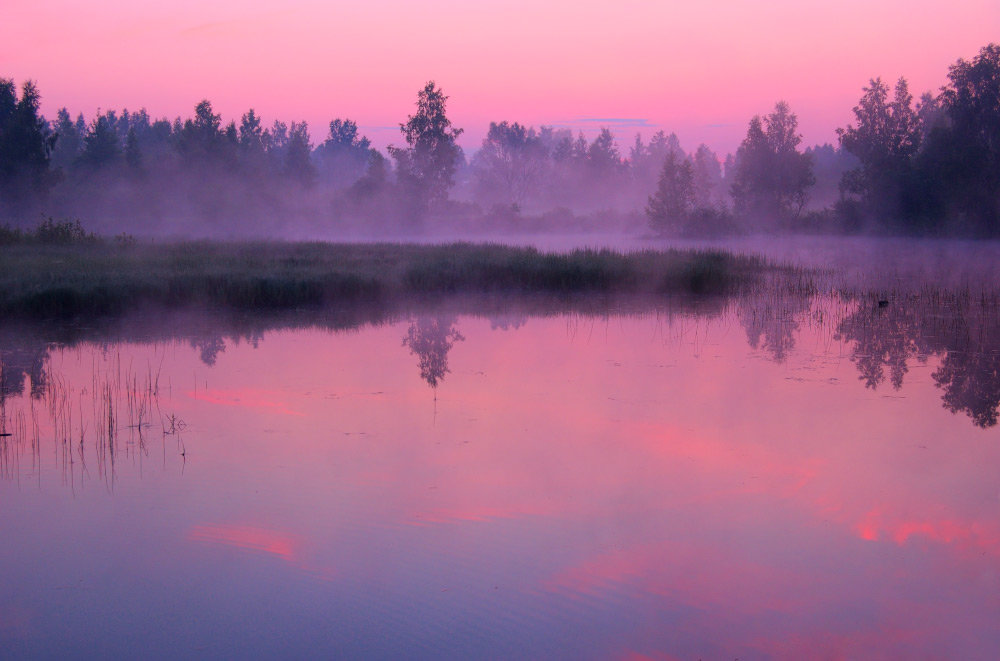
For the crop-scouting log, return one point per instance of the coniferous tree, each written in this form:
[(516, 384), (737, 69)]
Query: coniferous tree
[(26, 144), (298, 165), (251, 139), (133, 154), (101, 146), (201, 139), (69, 142)]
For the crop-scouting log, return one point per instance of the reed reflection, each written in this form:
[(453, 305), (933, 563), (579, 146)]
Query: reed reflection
[(96, 423)]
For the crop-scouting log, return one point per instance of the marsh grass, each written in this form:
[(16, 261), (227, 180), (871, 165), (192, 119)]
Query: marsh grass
[(94, 427), (50, 232), (93, 278)]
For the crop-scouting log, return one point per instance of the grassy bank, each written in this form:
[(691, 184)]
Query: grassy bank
[(110, 277)]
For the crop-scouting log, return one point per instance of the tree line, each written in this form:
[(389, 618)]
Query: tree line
[(927, 167), (930, 167)]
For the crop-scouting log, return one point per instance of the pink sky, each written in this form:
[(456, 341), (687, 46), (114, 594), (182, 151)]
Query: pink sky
[(698, 69)]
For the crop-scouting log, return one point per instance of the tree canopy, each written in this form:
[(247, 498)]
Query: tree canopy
[(26, 143), (426, 167), (772, 177)]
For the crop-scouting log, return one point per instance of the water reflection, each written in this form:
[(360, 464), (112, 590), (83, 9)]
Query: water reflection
[(970, 378), (430, 339), (20, 365), (110, 415), (772, 322), (962, 331), (654, 480), (209, 348), (508, 321), (94, 421), (884, 338)]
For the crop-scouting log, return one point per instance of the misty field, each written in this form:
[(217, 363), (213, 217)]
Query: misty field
[(94, 277)]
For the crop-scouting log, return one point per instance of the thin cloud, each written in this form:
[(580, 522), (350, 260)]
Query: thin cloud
[(617, 121)]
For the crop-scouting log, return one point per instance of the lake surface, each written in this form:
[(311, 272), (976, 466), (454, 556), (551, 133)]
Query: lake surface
[(757, 478)]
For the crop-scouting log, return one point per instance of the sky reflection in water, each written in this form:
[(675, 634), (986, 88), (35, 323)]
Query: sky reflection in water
[(573, 486)]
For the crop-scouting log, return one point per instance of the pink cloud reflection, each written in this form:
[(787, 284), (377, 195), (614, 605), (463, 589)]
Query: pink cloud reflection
[(261, 540), (245, 397)]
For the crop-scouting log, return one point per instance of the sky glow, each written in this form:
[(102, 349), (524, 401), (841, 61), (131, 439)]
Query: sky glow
[(698, 69)]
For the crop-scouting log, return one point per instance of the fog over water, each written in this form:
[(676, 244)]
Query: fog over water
[(731, 479)]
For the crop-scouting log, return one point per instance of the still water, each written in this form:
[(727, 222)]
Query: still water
[(759, 479)]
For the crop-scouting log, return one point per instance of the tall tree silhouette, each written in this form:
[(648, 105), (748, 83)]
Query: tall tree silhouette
[(26, 144), (884, 138), (426, 167), (972, 102), (252, 143), (671, 205), (298, 165), (70, 134), (772, 177), (203, 140)]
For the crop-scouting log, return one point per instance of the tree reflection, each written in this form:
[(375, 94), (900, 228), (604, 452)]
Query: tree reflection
[(969, 374), (430, 339), (507, 322), (209, 347), (771, 324), (20, 362), (964, 333), (885, 338)]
